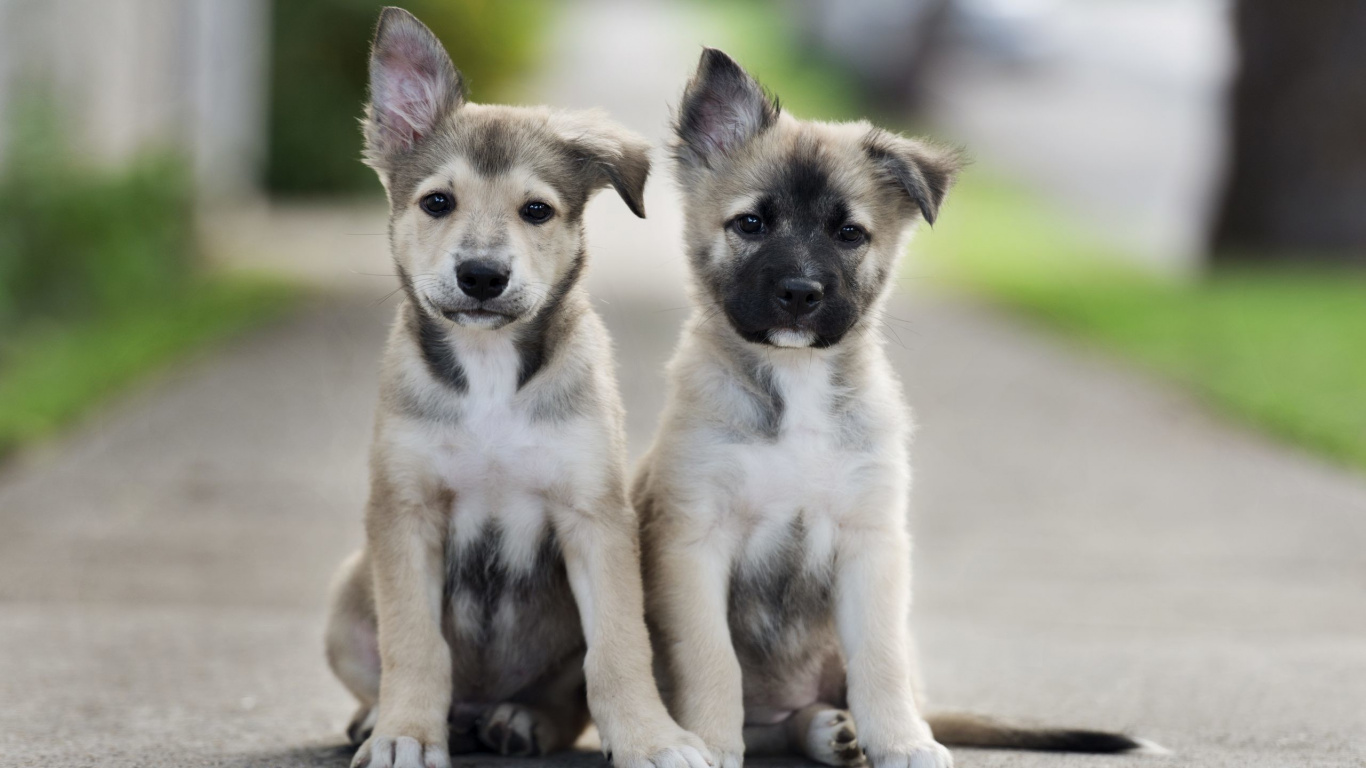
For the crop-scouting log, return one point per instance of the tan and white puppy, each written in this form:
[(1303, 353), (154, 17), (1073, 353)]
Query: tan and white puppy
[(498, 599), (774, 500)]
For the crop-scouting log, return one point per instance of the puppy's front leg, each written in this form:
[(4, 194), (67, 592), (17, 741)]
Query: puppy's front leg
[(689, 596), (602, 556), (415, 661), (873, 601)]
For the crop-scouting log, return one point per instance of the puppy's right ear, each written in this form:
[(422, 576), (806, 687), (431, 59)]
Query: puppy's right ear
[(413, 86), (723, 107)]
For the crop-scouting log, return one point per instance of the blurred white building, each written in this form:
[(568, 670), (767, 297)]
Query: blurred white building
[(136, 74), (1115, 109)]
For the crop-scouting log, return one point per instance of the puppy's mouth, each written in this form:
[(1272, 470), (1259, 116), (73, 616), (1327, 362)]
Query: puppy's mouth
[(791, 337), (477, 318)]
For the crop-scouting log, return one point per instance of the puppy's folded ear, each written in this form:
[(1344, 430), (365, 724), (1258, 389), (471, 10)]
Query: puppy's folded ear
[(413, 86), (723, 107), (919, 170), (625, 164), (608, 153)]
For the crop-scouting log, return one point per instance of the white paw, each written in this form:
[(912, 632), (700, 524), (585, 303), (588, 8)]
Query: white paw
[(513, 730), (926, 754), (380, 751), (727, 759), (832, 739), (679, 750)]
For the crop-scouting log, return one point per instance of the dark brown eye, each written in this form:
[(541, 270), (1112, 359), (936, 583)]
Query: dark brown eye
[(437, 204), (537, 212), (852, 234), (749, 224)]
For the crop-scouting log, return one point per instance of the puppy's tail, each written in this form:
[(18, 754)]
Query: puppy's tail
[(963, 730)]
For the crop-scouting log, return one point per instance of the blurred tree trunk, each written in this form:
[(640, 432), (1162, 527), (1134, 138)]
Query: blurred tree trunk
[(1297, 185)]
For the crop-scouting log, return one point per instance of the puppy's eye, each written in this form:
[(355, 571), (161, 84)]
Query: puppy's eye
[(537, 212), (748, 224), (852, 234), (437, 204)]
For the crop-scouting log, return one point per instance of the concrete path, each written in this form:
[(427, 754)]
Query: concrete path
[(1092, 548)]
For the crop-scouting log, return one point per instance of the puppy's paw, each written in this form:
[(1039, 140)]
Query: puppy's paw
[(924, 754), (832, 739), (723, 758), (386, 751), (362, 724), (670, 748), (514, 731)]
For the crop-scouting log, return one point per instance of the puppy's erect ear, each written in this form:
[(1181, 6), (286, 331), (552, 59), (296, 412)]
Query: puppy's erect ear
[(723, 107), (413, 85), (920, 170), (609, 154)]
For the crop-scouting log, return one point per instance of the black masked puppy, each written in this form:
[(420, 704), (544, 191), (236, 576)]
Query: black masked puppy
[(774, 499), (498, 600)]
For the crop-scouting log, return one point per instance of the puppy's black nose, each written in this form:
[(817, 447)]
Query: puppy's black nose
[(799, 295), (482, 280)]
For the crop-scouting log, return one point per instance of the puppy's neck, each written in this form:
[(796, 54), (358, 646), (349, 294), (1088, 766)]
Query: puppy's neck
[(496, 364), (490, 358)]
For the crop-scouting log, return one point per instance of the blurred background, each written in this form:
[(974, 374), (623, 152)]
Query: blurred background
[(1154, 270)]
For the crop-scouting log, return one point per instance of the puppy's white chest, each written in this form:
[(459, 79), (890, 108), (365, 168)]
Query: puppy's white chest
[(496, 457), (806, 468), (495, 447)]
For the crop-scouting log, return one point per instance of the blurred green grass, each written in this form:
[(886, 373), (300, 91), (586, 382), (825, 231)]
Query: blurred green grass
[(55, 372), (100, 280), (1281, 348)]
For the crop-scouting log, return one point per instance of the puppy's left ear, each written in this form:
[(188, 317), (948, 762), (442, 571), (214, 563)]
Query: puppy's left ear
[(920, 170), (609, 155)]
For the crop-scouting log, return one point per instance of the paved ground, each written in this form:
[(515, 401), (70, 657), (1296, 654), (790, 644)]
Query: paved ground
[(1093, 549)]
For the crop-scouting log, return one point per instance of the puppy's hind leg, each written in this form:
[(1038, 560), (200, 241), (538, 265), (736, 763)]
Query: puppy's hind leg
[(352, 643), (822, 732), (516, 730), (825, 733), (550, 721)]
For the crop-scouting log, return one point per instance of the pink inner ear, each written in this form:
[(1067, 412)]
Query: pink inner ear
[(728, 117), (721, 125), (408, 91)]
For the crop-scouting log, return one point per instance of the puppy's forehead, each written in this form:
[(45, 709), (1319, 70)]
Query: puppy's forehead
[(805, 170), (462, 175), (492, 142)]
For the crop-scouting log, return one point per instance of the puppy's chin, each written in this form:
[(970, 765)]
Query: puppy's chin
[(478, 319), (791, 338)]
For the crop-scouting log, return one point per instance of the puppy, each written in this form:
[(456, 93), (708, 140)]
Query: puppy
[(773, 501), (498, 598)]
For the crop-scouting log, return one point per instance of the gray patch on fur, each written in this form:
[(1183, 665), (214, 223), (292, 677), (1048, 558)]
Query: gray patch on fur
[(768, 400), (779, 605), (537, 340), (505, 617), (566, 398), (437, 352), (477, 570), (855, 431)]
